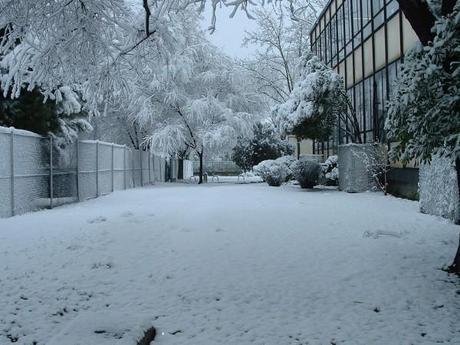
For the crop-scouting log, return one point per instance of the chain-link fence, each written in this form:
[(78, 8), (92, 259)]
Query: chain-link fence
[(34, 174), (217, 167)]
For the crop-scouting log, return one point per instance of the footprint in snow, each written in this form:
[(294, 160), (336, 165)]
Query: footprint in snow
[(97, 220), (102, 265), (127, 214), (73, 247), (382, 233), (220, 230)]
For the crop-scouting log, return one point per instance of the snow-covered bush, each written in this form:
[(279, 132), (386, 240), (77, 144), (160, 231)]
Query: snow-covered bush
[(276, 175), (262, 168), (306, 172), (330, 170), (286, 162), (271, 171), (264, 144)]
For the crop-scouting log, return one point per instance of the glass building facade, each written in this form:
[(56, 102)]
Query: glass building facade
[(364, 41)]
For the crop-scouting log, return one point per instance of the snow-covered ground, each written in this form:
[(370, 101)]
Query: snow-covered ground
[(231, 264)]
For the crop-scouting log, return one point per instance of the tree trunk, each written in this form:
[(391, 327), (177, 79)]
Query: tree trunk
[(447, 6), (420, 17), (298, 148), (455, 267), (200, 154)]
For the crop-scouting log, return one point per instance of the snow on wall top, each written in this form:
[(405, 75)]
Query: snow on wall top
[(8, 130), (101, 143)]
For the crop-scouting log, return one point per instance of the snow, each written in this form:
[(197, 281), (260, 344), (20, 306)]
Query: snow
[(231, 264), (103, 329)]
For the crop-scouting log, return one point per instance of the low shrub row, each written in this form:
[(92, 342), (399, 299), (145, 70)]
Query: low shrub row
[(306, 172)]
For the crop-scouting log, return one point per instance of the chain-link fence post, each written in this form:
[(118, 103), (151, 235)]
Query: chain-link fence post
[(148, 164), (78, 170), (112, 170), (97, 168), (12, 170), (124, 167), (132, 168), (140, 163), (51, 171)]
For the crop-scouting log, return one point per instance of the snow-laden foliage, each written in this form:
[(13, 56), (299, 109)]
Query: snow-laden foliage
[(262, 168), (316, 102), (276, 175), (62, 43), (424, 110), (306, 172), (275, 171), (330, 170), (271, 171), (89, 45), (438, 188), (286, 162), (265, 143), (60, 118)]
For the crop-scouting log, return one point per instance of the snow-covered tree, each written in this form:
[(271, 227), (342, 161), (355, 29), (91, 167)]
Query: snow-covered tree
[(317, 103), (282, 36), (196, 102), (83, 44), (264, 144), (424, 110), (273, 65)]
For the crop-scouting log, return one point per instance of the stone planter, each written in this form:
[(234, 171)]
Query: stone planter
[(358, 166), (438, 189)]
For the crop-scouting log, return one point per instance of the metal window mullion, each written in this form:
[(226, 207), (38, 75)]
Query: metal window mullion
[(363, 74), (345, 61), (353, 90), (401, 34), (336, 16), (385, 28), (374, 119)]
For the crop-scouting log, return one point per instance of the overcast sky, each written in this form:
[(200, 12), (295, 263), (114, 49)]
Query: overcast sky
[(229, 32)]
